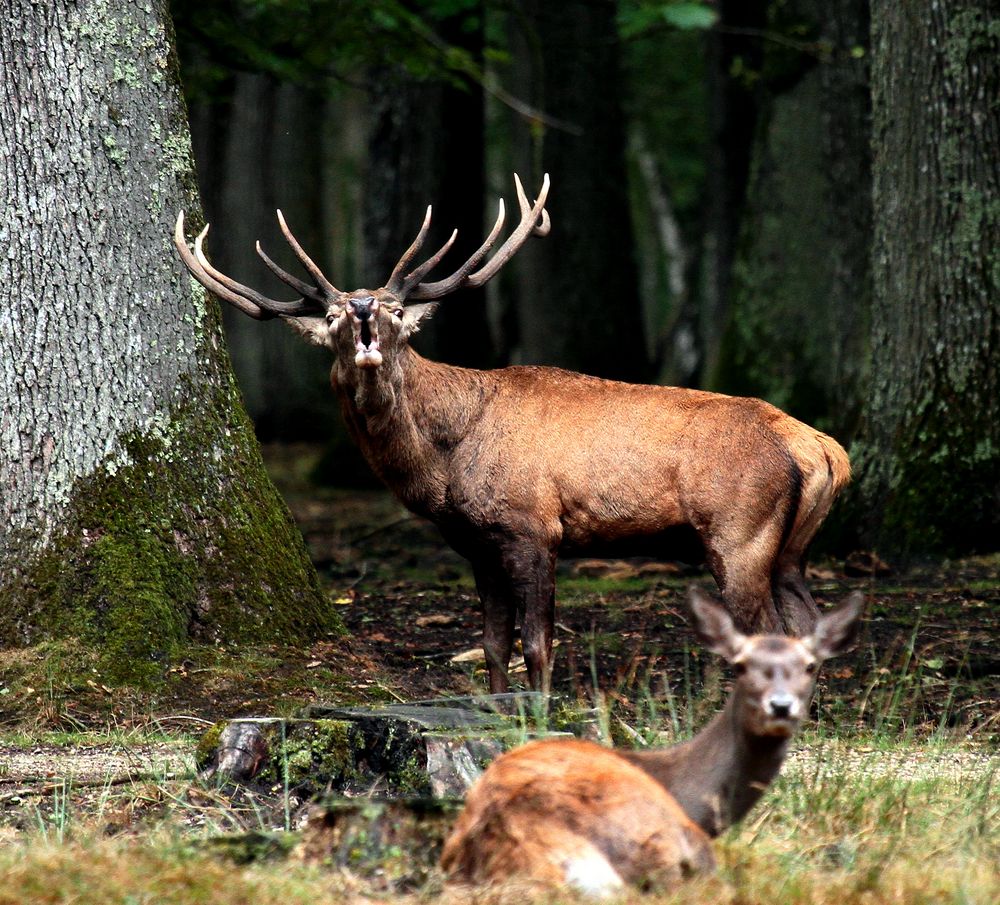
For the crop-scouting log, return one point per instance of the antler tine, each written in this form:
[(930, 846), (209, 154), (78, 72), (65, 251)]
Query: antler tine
[(298, 285), (446, 286), (261, 301), (541, 229), (212, 285), (529, 224), (396, 278), (417, 275), (307, 262)]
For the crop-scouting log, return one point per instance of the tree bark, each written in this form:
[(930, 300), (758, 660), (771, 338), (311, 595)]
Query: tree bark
[(136, 513), (930, 458)]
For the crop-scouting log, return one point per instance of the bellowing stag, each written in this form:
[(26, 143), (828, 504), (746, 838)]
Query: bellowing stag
[(520, 464)]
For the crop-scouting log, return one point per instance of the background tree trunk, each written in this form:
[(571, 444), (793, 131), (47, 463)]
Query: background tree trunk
[(800, 293), (426, 146), (930, 461), (135, 511), (578, 299)]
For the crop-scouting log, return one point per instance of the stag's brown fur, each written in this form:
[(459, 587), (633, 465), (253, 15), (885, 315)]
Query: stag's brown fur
[(571, 813), (520, 465)]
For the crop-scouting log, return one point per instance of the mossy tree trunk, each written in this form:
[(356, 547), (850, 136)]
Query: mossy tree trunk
[(135, 511), (930, 461)]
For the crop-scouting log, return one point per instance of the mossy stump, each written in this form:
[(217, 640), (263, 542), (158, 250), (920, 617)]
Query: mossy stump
[(421, 749)]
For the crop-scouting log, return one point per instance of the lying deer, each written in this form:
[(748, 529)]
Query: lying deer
[(573, 813), (518, 465)]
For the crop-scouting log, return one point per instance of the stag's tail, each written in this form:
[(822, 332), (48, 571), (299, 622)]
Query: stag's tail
[(826, 470)]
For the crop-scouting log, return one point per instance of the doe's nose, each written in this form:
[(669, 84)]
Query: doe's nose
[(363, 308), (781, 705)]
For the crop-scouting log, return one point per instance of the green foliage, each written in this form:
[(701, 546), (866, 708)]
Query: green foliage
[(636, 17), (313, 41)]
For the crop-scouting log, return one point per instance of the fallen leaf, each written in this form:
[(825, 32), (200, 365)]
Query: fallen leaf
[(472, 655), (436, 619)]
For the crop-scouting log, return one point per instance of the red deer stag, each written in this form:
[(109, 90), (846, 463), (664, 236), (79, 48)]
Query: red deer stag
[(520, 464), (566, 812)]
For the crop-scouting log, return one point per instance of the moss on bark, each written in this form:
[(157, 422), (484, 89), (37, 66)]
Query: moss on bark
[(187, 540)]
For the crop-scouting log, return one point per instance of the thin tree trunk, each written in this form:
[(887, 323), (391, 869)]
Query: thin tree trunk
[(426, 146), (930, 457), (136, 512), (578, 296)]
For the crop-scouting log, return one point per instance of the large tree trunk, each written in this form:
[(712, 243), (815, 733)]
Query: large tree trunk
[(930, 463), (136, 512)]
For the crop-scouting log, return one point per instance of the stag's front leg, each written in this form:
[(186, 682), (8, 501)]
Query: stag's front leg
[(533, 574), (499, 610)]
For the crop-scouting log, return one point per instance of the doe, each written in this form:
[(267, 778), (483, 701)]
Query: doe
[(567, 812)]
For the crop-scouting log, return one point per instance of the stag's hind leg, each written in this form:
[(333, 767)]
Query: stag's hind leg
[(742, 563), (796, 606)]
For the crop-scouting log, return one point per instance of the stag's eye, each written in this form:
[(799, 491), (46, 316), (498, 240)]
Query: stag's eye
[(398, 313), (811, 667)]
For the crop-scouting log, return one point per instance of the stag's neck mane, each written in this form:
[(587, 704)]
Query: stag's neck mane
[(406, 414)]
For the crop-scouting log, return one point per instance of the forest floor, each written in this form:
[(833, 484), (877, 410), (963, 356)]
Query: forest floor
[(86, 764)]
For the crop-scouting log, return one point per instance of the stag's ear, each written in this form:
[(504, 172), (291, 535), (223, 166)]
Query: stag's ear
[(836, 630), (413, 315), (314, 330), (714, 625)]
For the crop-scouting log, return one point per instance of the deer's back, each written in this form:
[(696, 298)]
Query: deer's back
[(570, 812)]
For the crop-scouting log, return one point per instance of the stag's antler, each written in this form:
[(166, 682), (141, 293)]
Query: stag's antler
[(403, 282), (534, 221), (248, 300)]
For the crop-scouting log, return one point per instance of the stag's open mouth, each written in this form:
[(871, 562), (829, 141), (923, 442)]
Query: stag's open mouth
[(366, 342)]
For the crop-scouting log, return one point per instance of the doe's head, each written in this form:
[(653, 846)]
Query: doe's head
[(775, 674)]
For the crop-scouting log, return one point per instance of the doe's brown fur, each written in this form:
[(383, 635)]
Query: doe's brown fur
[(572, 813)]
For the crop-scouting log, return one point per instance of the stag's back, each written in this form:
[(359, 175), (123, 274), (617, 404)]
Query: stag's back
[(572, 813)]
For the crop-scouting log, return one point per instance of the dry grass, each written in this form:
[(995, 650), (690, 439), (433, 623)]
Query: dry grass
[(827, 833)]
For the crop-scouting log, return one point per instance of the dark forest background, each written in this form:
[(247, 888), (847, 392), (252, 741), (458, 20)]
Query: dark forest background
[(727, 205)]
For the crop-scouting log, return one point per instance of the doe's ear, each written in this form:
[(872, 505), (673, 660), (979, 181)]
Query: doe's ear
[(837, 629), (714, 625), (314, 330), (413, 315)]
